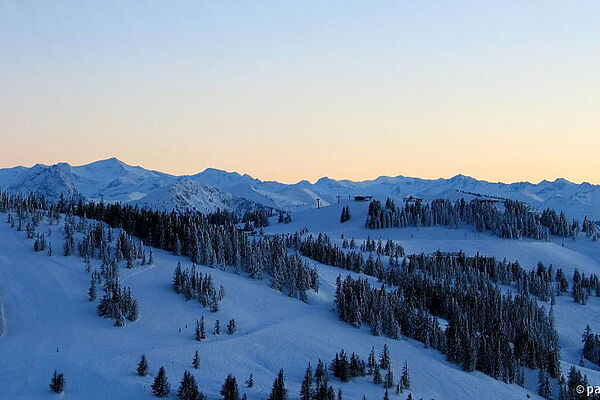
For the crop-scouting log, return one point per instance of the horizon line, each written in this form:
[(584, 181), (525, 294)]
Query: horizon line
[(548, 180)]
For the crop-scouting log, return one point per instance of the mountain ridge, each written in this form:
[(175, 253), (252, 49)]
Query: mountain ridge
[(113, 180)]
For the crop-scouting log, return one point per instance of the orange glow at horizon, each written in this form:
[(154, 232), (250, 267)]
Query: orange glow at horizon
[(497, 91)]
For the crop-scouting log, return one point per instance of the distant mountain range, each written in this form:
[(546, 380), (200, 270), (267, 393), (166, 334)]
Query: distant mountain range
[(112, 180)]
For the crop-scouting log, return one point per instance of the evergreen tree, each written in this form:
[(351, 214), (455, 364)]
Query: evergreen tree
[(161, 387), (250, 381), (120, 319), (279, 392), (341, 367), (142, 368), (231, 327), (563, 390), (306, 387), (384, 361), (92, 291), (321, 376), (196, 360), (372, 361), (230, 390), (345, 214), (188, 389), (217, 327), (377, 375), (200, 330), (405, 379), (386, 395), (57, 384), (544, 385), (134, 312), (389, 378)]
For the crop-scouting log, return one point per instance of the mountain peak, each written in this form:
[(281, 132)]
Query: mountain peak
[(112, 161), (461, 177)]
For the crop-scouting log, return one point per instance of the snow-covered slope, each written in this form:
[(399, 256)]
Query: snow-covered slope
[(269, 193), (52, 325), (187, 195), (113, 180)]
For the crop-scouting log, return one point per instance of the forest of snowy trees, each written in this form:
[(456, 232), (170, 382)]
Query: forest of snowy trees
[(322, 250), (212, 239), (512, 221), (194, 285), (487, 330)]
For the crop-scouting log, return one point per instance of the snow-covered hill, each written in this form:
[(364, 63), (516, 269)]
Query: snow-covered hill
[(50, 324), (113, 180)]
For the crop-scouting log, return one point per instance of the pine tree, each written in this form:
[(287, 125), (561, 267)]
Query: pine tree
[(377, 375), (563, 390), (217, 327), (119, 319), (345, 214), (161, 387), (386, 395), (57, 384), (142, 368), (231, 327), (196, 360), (306, 387), (389, 378), (188, 389), (92, 291), (230, 390), (250, 381), (405, 379), (339, 394), (321, 376), (372, 361), (384, 361), (200, 330), (279, 392), (544, 385), (134, 312)]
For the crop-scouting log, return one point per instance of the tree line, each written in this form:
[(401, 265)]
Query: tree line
[(516, 220)]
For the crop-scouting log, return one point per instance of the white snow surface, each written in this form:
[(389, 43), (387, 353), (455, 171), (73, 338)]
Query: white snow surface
[(46, 309)]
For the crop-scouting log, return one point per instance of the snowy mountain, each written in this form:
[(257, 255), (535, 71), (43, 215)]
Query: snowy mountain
[(187, 195), (113, 180), (110, 180), (51, 181)]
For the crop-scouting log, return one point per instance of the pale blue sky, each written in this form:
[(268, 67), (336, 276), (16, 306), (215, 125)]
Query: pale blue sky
[(500, 90)]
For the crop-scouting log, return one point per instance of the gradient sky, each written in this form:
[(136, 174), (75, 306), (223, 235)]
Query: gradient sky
[(290, 90)]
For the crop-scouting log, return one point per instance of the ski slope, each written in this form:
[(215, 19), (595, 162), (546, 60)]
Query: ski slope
[(50, 324)]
